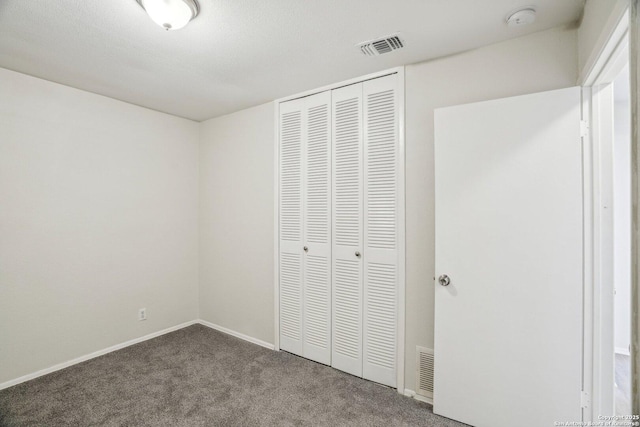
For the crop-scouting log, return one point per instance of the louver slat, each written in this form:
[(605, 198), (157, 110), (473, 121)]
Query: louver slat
[(380, 230), (291, 216), (316, 302), (317, 172), (347, 309), (290, 298), (290, 176), (381, 315), (317, 229), (381, 160), (348, 209), (347, 229)]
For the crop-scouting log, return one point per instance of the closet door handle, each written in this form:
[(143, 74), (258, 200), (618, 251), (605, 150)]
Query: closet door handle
[(306, 249), (358, 254)]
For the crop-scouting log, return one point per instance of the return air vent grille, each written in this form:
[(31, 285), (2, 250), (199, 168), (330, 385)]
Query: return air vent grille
[(424, 374), (382, 45)]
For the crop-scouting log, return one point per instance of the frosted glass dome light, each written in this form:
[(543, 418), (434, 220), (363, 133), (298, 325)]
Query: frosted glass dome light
[(170, 14)]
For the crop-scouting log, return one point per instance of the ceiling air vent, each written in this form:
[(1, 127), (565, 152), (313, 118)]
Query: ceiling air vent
[(380, 46)]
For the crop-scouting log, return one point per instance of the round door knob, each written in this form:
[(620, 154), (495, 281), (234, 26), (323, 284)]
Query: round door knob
[(444, 280), (358, 254), (306, 249)]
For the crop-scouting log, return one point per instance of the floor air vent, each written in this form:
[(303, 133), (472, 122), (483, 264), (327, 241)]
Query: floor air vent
[(424, 372), (380, 46)]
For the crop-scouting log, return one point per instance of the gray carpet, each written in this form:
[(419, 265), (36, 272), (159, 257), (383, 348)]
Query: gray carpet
[(198, 376)]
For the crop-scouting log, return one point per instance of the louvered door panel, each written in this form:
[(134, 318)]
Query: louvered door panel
[(339, 194), (317, 229), (380, 229), (291, 219), (290, 302), (347, 229)]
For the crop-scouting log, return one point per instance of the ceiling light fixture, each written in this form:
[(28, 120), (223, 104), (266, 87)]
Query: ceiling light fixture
[(522, 17), (170, 14)]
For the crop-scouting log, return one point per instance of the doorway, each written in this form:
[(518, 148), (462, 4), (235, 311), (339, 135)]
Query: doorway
[(622, 241), (606, 106)]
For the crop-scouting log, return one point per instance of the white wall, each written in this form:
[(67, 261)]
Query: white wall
[(622, 224), (236, 221), (98, 217), (236, 182)]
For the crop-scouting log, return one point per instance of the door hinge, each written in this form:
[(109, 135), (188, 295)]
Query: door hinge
[(584, 399), (584, 128)]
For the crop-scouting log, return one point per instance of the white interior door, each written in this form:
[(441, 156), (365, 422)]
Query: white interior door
[(347, 229), (508, 327), (317, 229)]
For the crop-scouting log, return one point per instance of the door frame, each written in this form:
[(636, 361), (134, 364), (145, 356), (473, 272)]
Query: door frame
[(597, 113), (400, 332)]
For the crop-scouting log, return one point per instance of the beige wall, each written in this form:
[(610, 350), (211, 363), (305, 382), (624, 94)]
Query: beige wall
[(236, 182), (98, 218), (236, 221), (534, 63)]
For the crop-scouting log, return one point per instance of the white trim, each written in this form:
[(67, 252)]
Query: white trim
[(236, 334), (603, 66), (588, 256), (618, 58), (600, 54), (623, 351), (93, 355), (341, 84), (414, 395), (276, 227), (634, 83), (603, 292), (401, 319)]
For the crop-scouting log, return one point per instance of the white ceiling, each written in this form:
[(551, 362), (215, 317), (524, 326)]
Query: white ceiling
[(240, 53)]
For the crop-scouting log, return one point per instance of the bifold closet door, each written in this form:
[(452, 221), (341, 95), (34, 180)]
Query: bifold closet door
[(339, 187), (291, 232), (347, 229), (365, 227), (380, 256), (317, 229), (305, 227)]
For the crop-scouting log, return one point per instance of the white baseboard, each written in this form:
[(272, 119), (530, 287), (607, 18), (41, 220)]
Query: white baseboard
[(622, 350), (411, 393), (237, 334), (89, 356)]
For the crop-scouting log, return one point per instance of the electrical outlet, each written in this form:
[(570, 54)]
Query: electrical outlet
[(142, 314)]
